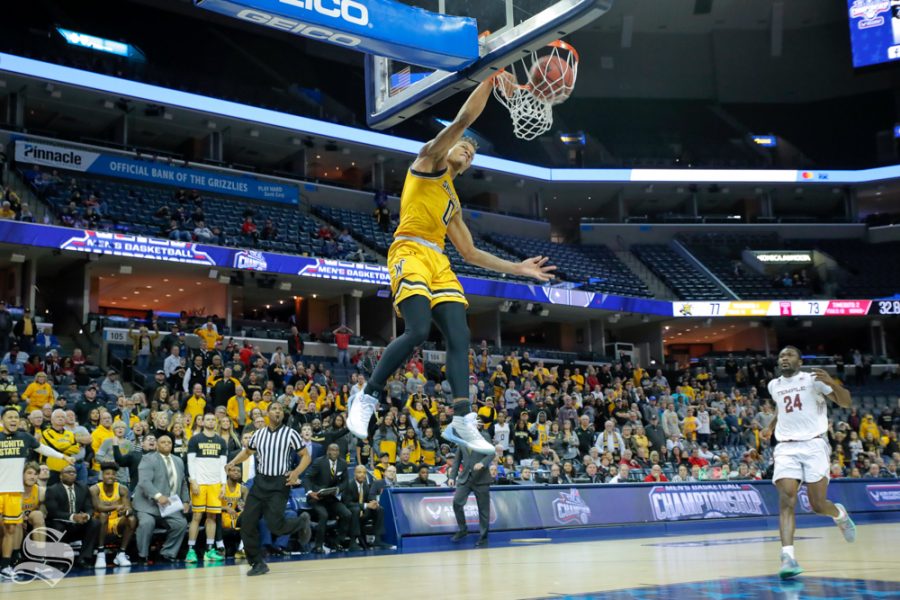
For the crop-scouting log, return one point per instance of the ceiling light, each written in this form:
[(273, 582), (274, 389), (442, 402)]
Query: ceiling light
[(180, 289), (165, 281), (168, 295)]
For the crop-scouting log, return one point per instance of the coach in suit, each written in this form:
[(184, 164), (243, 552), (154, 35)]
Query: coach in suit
[(71, 510), (473, 475), (160, 476), (327, 472), (361, 498)]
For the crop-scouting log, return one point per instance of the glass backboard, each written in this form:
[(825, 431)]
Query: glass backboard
[(510, 29)]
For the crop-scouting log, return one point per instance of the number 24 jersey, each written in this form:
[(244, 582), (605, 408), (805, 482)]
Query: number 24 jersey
[(802, 406)]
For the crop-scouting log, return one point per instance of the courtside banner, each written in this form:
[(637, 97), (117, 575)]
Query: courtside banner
[(153, 248), (430, 510), (422, 511), (110, 165), (382, 27)]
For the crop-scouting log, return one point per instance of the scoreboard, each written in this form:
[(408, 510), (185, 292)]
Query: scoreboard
[(874, 31)]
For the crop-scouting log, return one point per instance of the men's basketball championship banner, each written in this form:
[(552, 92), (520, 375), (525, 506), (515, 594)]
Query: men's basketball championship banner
[(423, 511), (382, 27)]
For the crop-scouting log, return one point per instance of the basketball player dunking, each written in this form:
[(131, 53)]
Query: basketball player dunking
[(425, 288), (803, 454)]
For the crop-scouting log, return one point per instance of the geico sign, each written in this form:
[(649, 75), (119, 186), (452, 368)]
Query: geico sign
[(292, 26), (347, 10)]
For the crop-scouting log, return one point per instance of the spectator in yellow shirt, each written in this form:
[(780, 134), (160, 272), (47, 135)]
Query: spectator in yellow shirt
[(415, 404), (196, 404), (209, 335), (690, 425), (578, 378), (239, 407), (499, 381), (38, 393), (102, 433), (867, 427)]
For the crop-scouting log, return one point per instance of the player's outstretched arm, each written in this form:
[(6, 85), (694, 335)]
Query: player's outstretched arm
[(435, 151), (461, 237), (840, 395)]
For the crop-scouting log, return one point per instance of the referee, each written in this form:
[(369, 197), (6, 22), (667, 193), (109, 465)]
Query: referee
[(269, 494)]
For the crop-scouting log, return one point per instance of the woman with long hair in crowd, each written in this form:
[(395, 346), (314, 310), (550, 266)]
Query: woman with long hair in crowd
[(411, 441), (227, 433), (386, 437), (160, 397), (429, 446), (569, 442), (93, 420), (179, 440)]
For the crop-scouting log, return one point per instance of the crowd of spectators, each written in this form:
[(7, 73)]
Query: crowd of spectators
[(550, 424), (12, 207)]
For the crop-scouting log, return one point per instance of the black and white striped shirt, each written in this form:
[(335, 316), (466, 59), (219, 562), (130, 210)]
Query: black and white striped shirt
[(274, 449)]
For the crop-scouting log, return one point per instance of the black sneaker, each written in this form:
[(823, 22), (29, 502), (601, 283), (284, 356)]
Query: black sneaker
[(482, 542), (303, 530), (259, 568), (458, 536)]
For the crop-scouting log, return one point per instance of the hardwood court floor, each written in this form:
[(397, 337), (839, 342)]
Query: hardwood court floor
[(583, 569)]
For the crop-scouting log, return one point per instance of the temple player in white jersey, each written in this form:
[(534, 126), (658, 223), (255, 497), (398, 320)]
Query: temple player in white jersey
[(803, 453)]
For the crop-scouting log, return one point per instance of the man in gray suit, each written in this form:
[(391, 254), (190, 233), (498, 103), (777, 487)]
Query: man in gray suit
[(160, 476), (474, 477)]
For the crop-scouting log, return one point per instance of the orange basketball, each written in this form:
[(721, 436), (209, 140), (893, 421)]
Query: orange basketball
[(552, 78)]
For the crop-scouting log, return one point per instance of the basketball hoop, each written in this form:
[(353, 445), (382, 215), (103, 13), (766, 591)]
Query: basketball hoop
[(549, 80)]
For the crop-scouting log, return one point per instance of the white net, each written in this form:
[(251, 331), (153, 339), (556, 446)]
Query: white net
[(549, 80)]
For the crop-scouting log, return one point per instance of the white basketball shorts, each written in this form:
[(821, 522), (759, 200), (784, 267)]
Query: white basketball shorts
[(807, 462)]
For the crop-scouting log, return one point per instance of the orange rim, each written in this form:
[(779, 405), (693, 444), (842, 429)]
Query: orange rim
[(554, 44)]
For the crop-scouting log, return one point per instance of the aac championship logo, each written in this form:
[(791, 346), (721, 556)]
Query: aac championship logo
[(251, 260), (570, 508)]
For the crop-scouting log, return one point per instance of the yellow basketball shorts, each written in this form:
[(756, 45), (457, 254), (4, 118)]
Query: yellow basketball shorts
[(207, 500), (11, 508), (417, 270)]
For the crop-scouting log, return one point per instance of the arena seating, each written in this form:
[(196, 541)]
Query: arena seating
[(721, 254), (132, 208), (869, 269), (677, 273), (597, 268), (364, 228)]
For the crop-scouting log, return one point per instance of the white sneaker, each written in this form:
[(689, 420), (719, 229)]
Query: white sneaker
[(100, 563), (7, 574), (464, 432), (121, 560), (359, 413)]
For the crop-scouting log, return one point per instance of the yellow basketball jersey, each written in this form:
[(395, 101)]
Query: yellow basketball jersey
[(427, 205), (31, 500), (113, 498), (233, 496)]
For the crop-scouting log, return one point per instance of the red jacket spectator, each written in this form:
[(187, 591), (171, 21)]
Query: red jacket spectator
[(651, 479), (246, 353), (342, 339), (249, 227), (699, 461)]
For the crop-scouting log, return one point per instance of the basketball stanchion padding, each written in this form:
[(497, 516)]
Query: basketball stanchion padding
[(549, 80)]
